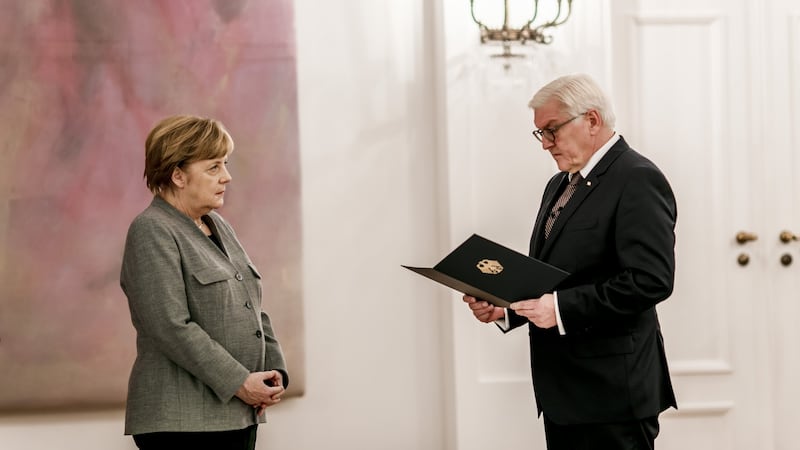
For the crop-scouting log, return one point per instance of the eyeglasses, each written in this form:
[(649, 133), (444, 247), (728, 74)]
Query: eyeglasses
[(550, 133)]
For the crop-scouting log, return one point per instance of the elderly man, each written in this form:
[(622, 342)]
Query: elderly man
[(597, 355)]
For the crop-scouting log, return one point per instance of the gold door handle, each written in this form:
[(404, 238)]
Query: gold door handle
[(787, 236), (744, 237)]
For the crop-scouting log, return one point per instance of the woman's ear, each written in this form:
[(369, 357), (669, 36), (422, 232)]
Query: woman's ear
[(178, 177)]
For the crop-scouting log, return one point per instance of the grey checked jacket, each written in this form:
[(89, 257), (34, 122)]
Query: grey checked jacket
[(200, 327)]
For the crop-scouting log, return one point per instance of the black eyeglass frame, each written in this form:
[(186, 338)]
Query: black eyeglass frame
[(550, 133)]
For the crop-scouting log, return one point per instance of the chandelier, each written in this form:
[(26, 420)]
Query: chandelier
[(530, 30)]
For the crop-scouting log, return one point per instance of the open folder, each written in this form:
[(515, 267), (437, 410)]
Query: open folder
[(489, 271)]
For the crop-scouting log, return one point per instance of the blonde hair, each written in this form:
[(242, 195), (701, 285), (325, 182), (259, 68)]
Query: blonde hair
[(179, 140), (578, 93)]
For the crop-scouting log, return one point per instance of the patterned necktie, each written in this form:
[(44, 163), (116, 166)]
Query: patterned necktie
[(559, 205)]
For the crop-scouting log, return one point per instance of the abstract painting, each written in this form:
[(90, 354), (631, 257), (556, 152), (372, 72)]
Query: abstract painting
[(81, 84)]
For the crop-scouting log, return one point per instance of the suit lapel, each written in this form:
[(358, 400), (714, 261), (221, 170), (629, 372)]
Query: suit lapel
[(554, 188), (582, 193)]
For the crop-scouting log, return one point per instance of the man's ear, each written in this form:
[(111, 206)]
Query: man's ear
[(178, 177), (595, 121)]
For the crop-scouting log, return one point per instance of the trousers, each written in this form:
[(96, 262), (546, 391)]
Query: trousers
[(244, 439), (629, 435)]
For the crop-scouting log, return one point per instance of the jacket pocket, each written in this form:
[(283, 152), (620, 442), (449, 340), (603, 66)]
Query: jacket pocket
[(586, 224), (211, 275), (603, 346)]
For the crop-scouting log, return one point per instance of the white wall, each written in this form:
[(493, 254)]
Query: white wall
[(368, 135)]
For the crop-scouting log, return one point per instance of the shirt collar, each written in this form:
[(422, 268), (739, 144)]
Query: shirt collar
[(598, 155)]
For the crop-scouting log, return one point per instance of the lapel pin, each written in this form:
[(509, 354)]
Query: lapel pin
[(588, 183)]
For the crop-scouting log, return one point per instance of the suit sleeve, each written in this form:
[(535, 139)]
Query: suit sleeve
[(642, 247), (274, 355)]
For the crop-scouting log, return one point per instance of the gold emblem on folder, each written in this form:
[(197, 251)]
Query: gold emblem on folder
[(490, 266)]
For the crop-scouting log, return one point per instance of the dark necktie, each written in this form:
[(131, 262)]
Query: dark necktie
[(559, 205)]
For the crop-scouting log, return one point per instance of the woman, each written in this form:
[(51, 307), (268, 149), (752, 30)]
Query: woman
[(208, 362)]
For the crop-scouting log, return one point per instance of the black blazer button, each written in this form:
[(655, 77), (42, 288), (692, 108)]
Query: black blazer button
[(258, 334)]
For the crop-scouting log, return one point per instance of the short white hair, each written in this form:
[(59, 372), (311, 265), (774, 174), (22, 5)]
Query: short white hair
[(578, 93)]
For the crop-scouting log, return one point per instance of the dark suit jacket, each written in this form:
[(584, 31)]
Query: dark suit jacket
[(616, 238)]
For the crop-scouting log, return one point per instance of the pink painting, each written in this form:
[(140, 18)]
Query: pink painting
[(81, 84)]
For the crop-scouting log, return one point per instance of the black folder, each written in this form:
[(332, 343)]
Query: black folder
[(489, 271)]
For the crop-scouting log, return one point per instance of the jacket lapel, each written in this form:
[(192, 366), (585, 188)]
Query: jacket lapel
[(554, 188), (582, 193)]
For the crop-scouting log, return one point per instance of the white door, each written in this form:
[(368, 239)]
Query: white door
[(709, 94), (710, 90), (779, 122), (686, 91)]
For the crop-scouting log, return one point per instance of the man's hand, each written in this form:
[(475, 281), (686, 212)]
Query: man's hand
[(541, 311), (484, 311)]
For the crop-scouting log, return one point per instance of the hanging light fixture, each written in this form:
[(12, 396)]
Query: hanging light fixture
[(531, 30)]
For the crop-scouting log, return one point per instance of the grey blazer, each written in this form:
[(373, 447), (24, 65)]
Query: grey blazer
[(200, 328)]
